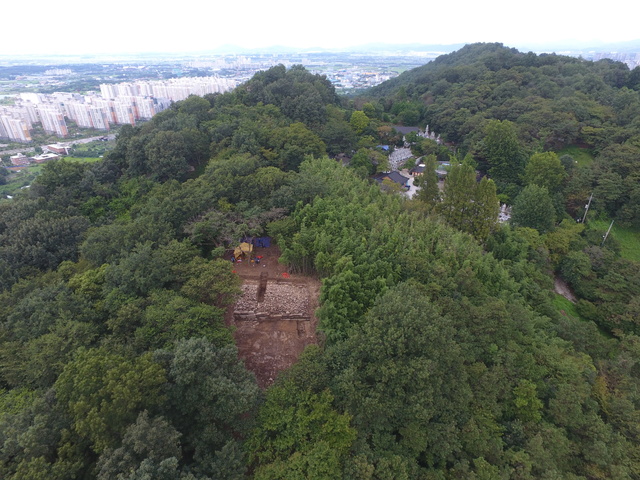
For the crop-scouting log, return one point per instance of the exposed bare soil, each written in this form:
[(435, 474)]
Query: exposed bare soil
[(563, 289), (274, 319)]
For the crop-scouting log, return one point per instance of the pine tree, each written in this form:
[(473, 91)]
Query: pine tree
[(428, 182), (458, 193), (486, 208), (468, 205), (503, 152)]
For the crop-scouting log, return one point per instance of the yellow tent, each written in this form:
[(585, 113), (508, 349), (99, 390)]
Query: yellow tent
[(243, 249)]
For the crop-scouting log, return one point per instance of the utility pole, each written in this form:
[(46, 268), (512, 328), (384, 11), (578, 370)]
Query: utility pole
[(587, 208), (604, 238)]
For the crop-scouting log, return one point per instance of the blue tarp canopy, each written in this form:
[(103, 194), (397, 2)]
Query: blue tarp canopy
[(263, 242)]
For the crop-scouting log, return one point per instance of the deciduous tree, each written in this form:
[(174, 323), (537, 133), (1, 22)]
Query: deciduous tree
[(502, 151), (533, 208)]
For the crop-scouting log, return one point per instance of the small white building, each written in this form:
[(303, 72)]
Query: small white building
[(45, 157)]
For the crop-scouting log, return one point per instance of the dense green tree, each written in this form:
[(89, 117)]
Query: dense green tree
[(61, 177), (359, 121), (469, 205), (150, 440), (428, 182), (337, 133), (42, 241), (140, 272), (37, 362), (170, 317), (533, 208), (406, 405), (485, 209), (502, 152), (166, 156), (293, 143), (105, 391), (457, 195), (4, 173), (209, 396), (369, 161), (299, 435), (616, 182), (545, 170), (211, 282), (110, 242)]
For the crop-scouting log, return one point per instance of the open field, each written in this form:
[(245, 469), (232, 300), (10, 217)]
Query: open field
[(627, 237), (582, 156), (566, 307), (83, 159), (27, 174)]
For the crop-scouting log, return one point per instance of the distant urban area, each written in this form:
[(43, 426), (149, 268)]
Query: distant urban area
[(51, 99), (82, 96)]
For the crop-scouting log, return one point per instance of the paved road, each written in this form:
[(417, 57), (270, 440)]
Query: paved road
[(412, 188)]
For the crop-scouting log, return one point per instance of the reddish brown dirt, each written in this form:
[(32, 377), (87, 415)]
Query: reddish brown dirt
[(272, 333)]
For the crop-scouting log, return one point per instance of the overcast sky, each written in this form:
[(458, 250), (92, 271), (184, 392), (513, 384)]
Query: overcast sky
[(132, 26)]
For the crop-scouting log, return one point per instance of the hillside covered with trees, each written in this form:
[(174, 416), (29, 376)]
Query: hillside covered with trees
[(444, 352)]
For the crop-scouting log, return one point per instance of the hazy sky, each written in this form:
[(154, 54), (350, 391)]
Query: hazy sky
[(122, 26)]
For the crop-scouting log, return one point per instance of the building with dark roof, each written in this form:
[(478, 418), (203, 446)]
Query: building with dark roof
[(395, 177), (417, 170), (405, 130)]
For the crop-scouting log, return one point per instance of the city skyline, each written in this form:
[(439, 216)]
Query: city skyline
[(136, 27)]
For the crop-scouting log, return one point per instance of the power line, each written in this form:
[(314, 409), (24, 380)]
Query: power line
[(604, 237), (587, 208)]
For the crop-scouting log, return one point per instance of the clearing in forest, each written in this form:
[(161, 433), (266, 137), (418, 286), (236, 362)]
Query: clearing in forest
[(274, 318)]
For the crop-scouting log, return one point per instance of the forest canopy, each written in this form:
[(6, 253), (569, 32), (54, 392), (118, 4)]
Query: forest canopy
[(445, 353)]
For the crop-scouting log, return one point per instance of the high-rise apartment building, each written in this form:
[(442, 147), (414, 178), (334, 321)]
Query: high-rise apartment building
[(146, 107), (118, 104), (14, 129), (99, 118), (53, 120), (108, 91), (124, 112), (88, 115)]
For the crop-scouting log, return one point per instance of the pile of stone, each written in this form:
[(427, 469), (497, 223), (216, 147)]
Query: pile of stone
[(279, 299), (285, 299), (248, 300)]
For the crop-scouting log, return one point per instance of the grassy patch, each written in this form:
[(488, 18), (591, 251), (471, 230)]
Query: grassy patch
[(568, 309), (16, 182), (627, 237), (28, 174), (581, 155), (565, 307), (83, 159)]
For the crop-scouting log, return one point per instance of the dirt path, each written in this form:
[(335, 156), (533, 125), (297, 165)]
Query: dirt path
[(563, 289)]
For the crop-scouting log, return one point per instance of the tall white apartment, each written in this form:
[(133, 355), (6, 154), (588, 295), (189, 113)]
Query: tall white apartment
[(53, 120), (79, 113), (14, 129), (146, 89), (146, 107), (107, 107), (124, 112), (31, 110), (18, 113), (128, 89), (99, 118), (108, 91), (33, 97)]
